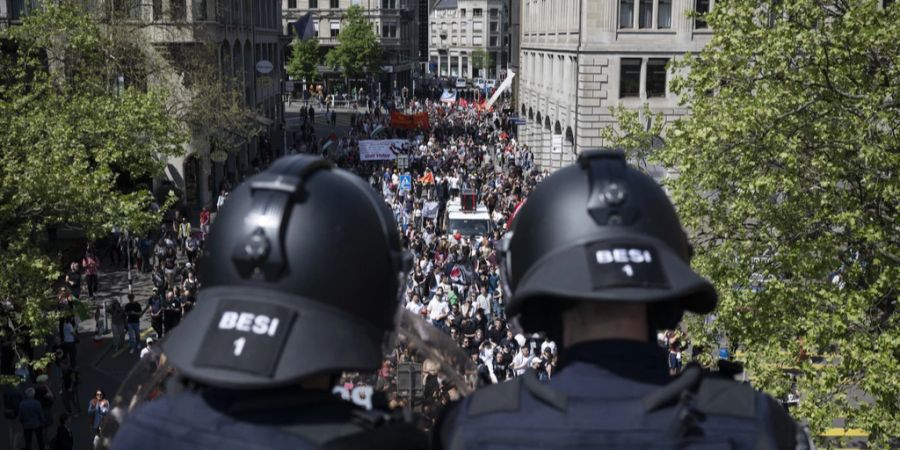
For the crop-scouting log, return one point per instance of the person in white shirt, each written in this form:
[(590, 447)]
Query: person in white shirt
[(522, 360), (483, 301), (415, 305), (438, 309), (148, 349)]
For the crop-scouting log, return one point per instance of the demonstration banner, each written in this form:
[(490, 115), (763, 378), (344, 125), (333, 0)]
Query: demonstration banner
[(380, 150), (409, 121)]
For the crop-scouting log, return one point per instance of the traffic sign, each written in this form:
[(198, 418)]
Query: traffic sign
[(406, 183)]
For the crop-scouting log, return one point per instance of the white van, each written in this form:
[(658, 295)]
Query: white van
[(473, 223)]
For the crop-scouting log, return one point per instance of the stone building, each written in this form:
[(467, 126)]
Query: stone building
[(394, 21), (245, 33), (578, 58), (458, 27)]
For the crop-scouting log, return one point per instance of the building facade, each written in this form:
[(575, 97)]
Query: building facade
[(458, 27), (394, 21), (245, 32), (579, 58)]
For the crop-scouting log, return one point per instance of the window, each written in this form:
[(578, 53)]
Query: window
[(493, 41), (493, 27), (313, 4), (626, 14), (335, 4), (494, 12), (630, 78), (656, 77), (316, 27), (389, 30), (388, 4), (200, 11), (335, 28), (477, 12), (292, 4), (665, 14), (462, 12), (178, 10), (644, 17), (702, 7)]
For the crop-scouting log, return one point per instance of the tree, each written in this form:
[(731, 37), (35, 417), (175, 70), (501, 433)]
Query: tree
[(70, 131), (637, 132), (358, 52), (482, 60), (304, 61), (788, 175), (207, 100)]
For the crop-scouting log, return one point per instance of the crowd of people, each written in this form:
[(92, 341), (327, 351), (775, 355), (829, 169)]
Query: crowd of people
[(455, 282), (454, 285)]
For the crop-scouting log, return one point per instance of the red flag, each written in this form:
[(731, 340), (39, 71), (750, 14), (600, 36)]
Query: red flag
[(515, 212)]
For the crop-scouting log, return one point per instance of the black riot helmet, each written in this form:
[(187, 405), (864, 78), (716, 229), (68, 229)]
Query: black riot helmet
[(599, 230), (300, 273)]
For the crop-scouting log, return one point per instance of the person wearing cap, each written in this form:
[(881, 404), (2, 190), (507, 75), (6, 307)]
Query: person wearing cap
[(597, 259), (301, 280), (149, 349)]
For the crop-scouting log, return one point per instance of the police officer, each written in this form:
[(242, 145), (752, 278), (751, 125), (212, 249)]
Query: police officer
[(597, 258), (301, 280)]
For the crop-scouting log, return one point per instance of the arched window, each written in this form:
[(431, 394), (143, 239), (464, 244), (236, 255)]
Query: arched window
[(570, 136), (557, 129)]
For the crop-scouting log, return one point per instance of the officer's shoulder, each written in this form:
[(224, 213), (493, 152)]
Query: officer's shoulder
[(506, 396), (719, 396)]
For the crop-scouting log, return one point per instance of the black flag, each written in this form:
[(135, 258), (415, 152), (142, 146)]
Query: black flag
[(303, 28)]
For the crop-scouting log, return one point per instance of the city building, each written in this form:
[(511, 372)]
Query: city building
[(244, 32), (458, 27), (579, 58), (395, 22), (513, 42)]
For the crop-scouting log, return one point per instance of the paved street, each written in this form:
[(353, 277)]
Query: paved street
[(100, 366)]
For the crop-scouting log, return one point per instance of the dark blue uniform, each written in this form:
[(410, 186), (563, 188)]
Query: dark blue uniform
[(618, 395), (244, 420)]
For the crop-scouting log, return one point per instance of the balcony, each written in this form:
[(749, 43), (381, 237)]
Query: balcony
[(328, 41)]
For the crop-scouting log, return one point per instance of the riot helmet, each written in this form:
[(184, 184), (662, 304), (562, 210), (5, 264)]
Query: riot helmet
[(599, 230), (301, 276)]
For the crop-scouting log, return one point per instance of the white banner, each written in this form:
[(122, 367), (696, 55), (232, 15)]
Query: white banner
[(503, 86), (380, 150)]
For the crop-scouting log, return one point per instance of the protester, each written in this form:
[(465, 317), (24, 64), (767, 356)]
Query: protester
[(31, 416), (91, 266), (98, 408), (133, 312)]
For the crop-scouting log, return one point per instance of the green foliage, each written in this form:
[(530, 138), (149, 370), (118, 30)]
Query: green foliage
[(788, 177), (481, 59), (68, 134), (636, 131), (304, 61), (358, 51)]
